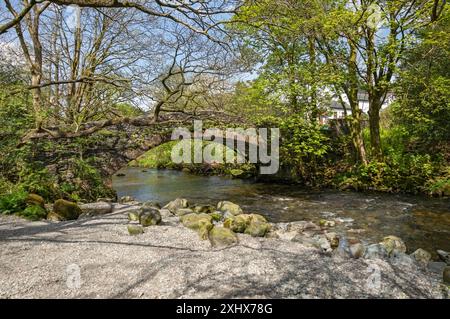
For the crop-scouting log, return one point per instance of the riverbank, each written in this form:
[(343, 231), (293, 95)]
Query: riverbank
[(170, 261)]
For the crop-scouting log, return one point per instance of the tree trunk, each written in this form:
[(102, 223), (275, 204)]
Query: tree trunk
[(374, 125), (352, 95)]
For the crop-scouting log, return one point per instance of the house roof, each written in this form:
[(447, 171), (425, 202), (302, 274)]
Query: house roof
[(335, 105)]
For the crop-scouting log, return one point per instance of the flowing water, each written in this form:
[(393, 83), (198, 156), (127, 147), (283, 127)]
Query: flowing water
[(419, 221)]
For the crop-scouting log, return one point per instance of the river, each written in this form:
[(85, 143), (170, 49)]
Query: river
[(419, 221)]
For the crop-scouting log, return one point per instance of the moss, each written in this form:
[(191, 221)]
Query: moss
[(216, 216), (237, 223), (222, 237), (35, 199), (202, 223), (135, 229), (67, 210)]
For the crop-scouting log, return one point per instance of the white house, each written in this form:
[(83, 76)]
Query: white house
[(337, 111)]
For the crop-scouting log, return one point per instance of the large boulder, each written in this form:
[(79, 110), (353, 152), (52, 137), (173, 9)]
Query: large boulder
[(421, 256), (35, 199), (232, 208), (150, 217), (66, 210), (93, 209), (177, 204), (393, 244), (222, 237), (201, 223)]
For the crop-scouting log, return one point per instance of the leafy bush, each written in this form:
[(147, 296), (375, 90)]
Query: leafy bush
[(13, 202), (33, 212)]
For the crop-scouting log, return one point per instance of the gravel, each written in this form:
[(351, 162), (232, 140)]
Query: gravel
[(97, 258)]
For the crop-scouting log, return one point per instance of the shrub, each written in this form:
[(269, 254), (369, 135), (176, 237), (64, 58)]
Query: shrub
[(33, 212), (13, 202)]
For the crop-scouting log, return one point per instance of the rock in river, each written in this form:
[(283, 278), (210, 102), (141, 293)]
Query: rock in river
[(421, 256), (222, 237), (444, 256), (392, 244)]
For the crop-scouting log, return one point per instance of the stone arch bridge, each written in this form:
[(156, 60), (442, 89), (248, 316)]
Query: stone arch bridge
[(111, 144)]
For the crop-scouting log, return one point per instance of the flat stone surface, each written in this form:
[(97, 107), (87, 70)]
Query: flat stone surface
[(38, 259)]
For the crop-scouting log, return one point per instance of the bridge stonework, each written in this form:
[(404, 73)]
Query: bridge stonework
[(112, 147)]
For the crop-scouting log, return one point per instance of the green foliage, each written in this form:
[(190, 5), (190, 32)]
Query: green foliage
[(128, 110), (33, 212), (160, 157), (36, 179), (13, 202), (87, 183)]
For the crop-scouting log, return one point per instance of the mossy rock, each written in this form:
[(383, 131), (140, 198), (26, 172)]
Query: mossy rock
[(222, 237), (201, 223), (33, 212), (151, 204), (150, 217), (177, 204), (238, 223), (257, 228), (67, 210), (230, 207), (216, 216), (134, 215), (257, 217), (207, 209), (135, 230), (393, 243), (35, 199), (183, 211)]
